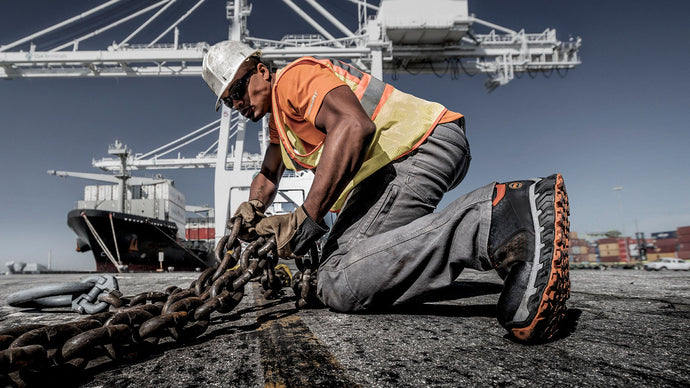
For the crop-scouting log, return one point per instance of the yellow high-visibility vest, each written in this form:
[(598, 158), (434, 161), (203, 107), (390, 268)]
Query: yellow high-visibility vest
[(403, 122)]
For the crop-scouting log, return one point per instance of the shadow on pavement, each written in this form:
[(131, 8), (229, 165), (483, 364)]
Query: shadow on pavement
[(448, 310), (568, 327)]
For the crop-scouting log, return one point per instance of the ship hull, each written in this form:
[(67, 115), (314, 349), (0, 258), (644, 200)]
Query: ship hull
[(137, 241)]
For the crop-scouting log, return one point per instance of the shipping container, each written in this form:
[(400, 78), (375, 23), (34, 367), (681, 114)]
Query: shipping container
[(609, 259), (609, 252), (652, 256), (579, 250), (683, 230), (664, 235), (606, 254), (169, 192), (683, 247), (105, 193), (685, 255), (165, 191), (200, 233), (623, 249), (578, 242), (100, 193), (95, 192), (684, 239), (666, 242), (661, 250), (204, 234), (607, 241), (609, 246), (91, 193), (657, 256)]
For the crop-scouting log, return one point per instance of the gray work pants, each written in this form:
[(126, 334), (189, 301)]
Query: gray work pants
[(387, 247)]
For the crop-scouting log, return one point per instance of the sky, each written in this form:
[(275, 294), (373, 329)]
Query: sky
[(620, 119)]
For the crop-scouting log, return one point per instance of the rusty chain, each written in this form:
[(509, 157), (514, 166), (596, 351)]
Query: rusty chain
[(33, 355)]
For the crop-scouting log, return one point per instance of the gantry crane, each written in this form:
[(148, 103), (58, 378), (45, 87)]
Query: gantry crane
[(389, 37), (397, 35)]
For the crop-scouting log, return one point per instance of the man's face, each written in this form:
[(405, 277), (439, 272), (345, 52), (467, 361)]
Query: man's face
[(250, 92)]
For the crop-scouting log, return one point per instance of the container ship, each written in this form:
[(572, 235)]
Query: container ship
[(148, 236), (137, 224)]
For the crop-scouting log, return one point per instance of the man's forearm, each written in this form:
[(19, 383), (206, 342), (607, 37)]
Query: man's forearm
[(263, 189), (343, 153), (264, 186)]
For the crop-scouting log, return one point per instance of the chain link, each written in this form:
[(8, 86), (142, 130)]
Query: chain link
[(33, 355)]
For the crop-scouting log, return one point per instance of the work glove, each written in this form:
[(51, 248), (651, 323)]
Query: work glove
[(295, 232), (251, 213)]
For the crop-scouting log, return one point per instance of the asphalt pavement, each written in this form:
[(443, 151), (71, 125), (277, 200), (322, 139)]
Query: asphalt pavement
[(625, 328)]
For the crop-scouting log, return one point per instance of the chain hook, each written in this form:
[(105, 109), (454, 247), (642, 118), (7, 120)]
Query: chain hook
[(88, 303)]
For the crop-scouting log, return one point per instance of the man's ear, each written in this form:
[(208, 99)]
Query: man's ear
[(264, 71)]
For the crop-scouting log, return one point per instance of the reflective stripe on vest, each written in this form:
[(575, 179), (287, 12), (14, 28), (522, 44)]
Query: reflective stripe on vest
[(372, 89), (402, 121)]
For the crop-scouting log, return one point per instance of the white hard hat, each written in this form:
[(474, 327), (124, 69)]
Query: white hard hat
[(221, 63)]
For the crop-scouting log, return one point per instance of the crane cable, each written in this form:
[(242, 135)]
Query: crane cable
[(101, 243), (112, 227)]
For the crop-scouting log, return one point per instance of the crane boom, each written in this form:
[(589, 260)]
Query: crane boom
[(131, 181), (85, 175)]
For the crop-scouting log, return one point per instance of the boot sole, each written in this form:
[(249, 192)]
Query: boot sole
[(551, 263)]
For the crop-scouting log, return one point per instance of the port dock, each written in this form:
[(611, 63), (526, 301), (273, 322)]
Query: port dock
[(628, 328)]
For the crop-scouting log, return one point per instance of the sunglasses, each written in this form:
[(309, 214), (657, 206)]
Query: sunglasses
[(238, 90)]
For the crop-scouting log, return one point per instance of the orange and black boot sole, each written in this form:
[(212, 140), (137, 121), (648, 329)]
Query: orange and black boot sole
[(532, 305)]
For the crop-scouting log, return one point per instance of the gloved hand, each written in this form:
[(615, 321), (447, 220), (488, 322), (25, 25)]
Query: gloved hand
[(295, 232), (251, 213)]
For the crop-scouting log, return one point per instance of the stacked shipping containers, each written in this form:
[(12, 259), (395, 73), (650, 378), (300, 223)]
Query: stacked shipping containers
[(683, 242), (664, 247), (162, 201), (623, 250), (614, 250), (200, 229), (609, 251), (579, 249), (623, 245), (169, 201)]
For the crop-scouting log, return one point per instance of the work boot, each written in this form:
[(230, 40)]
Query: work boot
[(528, 246)]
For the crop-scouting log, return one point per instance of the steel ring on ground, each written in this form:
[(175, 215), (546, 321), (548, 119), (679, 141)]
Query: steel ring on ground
[(27, 298)]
